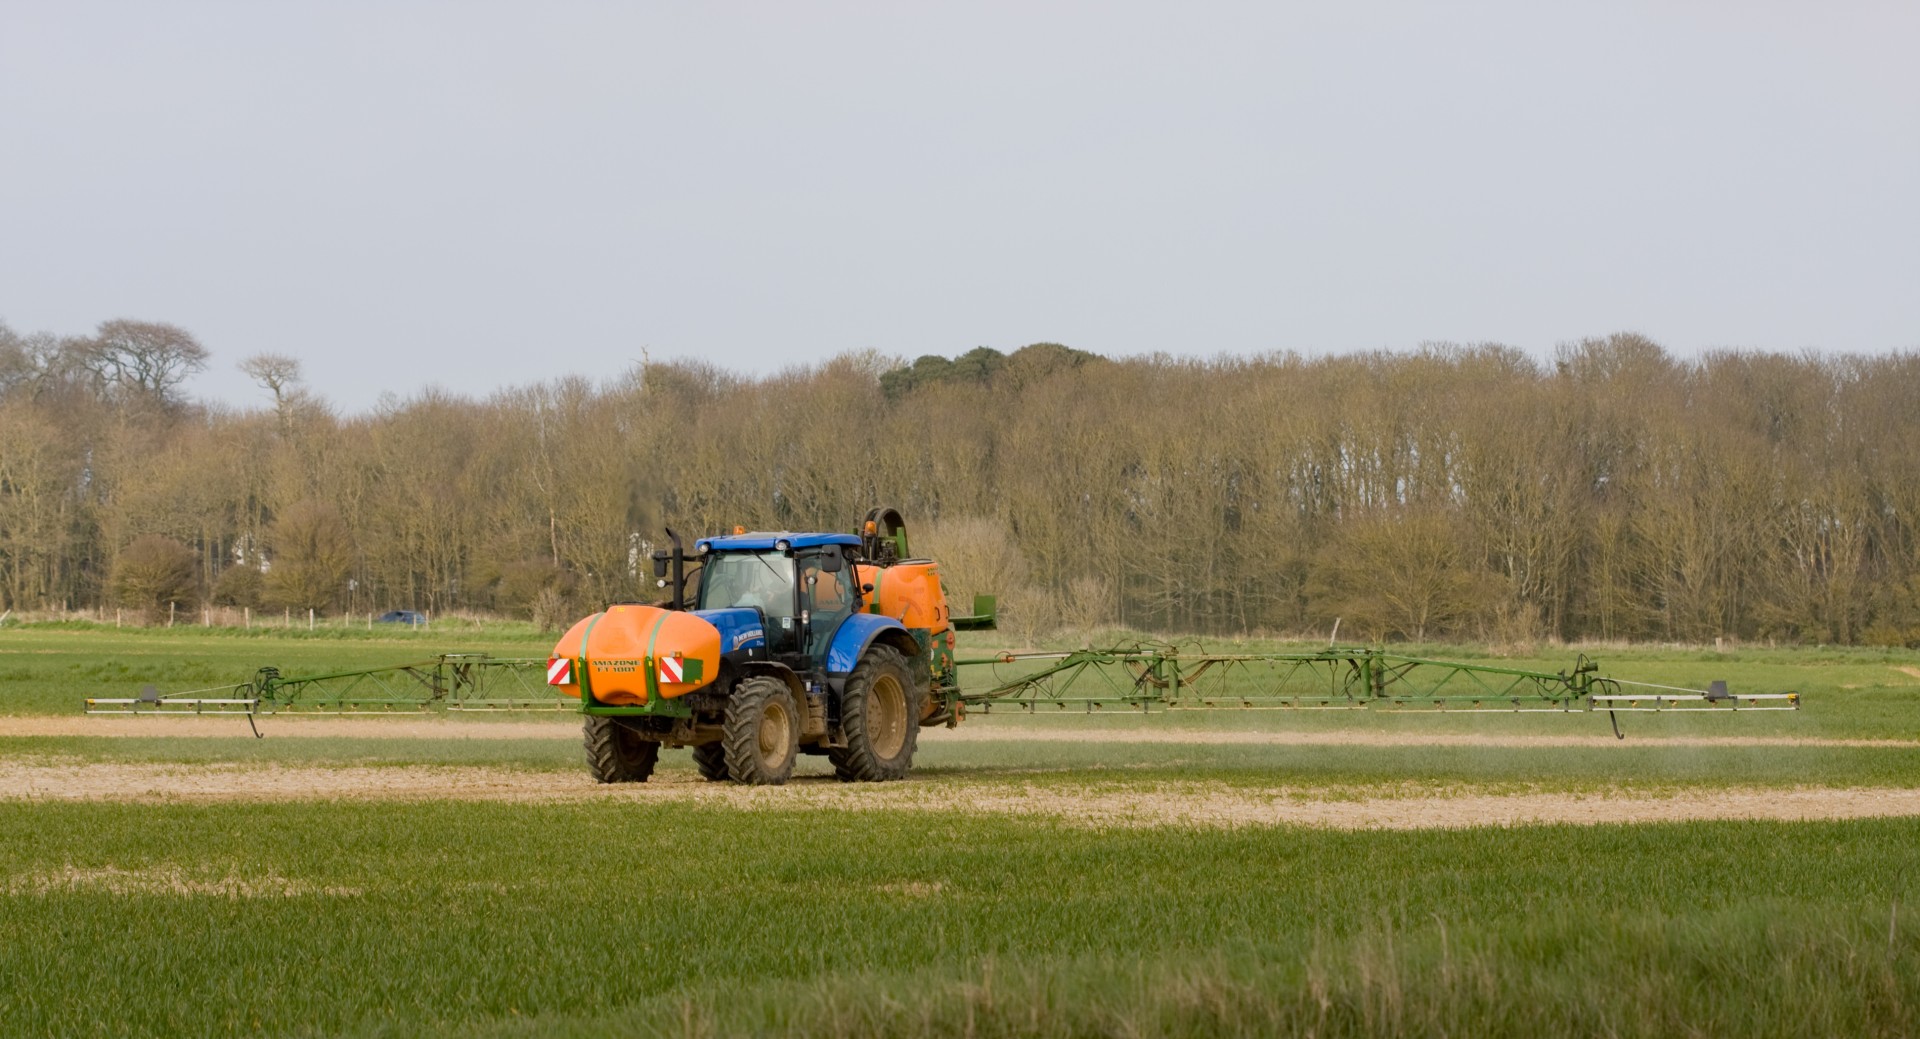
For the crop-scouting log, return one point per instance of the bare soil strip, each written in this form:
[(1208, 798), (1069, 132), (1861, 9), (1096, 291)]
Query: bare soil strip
[(163, 880), (1161, 804), (416, 727), (1354, 738), (976, 731)]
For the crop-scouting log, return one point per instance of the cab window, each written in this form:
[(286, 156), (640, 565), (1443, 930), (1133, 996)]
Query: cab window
[(756, 580), (827, 594)]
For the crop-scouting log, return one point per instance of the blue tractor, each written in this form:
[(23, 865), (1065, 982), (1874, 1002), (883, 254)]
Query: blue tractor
[(770, 645)]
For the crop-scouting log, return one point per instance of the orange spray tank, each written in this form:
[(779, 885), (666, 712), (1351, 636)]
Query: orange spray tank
[(630, 652), (908, 591)]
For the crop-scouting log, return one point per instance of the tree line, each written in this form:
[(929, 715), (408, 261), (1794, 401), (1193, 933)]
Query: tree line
[(1610, 492)]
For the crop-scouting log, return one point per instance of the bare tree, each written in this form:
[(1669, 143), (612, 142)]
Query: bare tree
[(38, 506), (139, 358), (1458, 490), (278, 374), (312, 555), (1403, 574), (155, 573), (16, 361)]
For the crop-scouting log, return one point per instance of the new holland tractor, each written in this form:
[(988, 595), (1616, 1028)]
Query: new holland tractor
[(769, 645)]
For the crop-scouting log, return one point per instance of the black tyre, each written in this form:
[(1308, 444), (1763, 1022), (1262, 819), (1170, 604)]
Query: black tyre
[(762, 732), (711, 760), (880, 713), (618, 754)]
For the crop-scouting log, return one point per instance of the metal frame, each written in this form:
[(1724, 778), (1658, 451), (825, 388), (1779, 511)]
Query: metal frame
[(1150, 676), (1144, 677), (450, 681)]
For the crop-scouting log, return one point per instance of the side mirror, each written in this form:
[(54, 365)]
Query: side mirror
[(833, 563), (659, 564), (867, 588)]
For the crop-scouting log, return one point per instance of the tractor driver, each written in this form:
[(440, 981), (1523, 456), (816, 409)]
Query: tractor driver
[(766, 591)]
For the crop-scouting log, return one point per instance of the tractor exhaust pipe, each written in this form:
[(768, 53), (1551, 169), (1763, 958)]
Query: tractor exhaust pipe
[(677, 596), (679, 571)]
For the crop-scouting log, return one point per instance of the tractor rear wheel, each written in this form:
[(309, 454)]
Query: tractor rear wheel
[(711, 760), (880, 713), (618, 754), (761, 733)]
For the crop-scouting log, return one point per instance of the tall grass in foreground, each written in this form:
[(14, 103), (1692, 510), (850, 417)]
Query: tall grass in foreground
[(623, 919), (1778, 972)]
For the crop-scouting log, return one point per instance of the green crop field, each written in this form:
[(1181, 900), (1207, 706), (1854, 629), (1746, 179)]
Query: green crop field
[(51, 668), (1060, 874)]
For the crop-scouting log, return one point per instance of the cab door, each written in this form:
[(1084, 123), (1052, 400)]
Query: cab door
[(827, 595)]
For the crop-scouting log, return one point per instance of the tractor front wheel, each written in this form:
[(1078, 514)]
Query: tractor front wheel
[(880, 713), (618, 754), (761, 733)]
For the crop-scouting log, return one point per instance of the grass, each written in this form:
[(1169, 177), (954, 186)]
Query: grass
[(1644, 767), (605, 919), (50, 668), (623, 918)]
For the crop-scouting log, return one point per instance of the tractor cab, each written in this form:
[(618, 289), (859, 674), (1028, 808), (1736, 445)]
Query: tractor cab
[(799, 588)]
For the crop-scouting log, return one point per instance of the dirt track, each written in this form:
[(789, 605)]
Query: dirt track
[(1020, 731), (48, 778), (1161, 804)]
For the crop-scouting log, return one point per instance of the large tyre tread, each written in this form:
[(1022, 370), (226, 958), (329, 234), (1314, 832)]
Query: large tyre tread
[(858, 760), (616, 753), (741, 732), (711, 760)]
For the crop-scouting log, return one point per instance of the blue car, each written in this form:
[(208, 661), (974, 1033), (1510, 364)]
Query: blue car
[(412, 617)]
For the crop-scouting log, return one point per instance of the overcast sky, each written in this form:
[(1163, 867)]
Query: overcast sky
[(478, 195)]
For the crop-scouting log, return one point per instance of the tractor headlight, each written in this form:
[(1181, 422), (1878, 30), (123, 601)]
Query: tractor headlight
[(703, 548), (782, 545)]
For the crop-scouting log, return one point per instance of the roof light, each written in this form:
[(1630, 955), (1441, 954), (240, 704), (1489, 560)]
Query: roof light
[(703, 548), (783, 544), (738, 529)]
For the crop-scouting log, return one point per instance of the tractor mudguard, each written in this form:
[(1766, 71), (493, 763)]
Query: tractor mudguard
[(855, 634)]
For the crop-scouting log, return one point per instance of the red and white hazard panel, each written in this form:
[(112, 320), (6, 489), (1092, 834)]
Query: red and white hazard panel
[(672, 669), (559, 670)]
